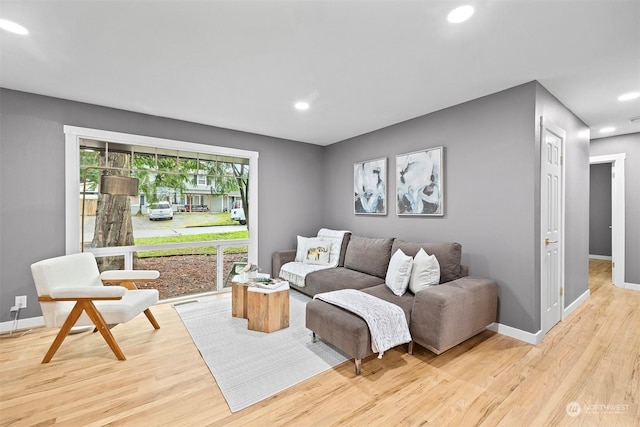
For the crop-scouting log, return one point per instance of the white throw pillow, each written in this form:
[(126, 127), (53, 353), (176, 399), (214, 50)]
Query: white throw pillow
[(301, 250), (399, 273), (335, 237), (317, 252), (425, 273)]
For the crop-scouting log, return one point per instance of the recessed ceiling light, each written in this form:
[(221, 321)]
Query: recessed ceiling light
[(460, 14), (607, 130), (302, 105), (629, 96), (13, 27)]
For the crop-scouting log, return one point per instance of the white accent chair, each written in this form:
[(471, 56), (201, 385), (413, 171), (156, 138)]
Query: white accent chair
[(71, 293)]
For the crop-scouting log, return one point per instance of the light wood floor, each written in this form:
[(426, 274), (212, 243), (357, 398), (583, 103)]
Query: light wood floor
[(591, 358)]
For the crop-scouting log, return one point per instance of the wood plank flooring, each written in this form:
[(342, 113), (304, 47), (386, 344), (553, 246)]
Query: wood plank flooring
[(591, 358)]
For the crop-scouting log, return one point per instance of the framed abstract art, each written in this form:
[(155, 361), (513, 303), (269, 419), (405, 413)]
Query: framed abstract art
[(420, 182), (370, 187)]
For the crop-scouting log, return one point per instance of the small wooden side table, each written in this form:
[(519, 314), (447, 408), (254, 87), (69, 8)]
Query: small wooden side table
[(239, 299), (268, 309), (239, 285)]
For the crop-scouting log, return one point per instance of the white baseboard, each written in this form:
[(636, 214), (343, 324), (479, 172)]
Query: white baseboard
[(600, 257), (577, 303), (518, 334), (633, 286), (28, 323), (536, 338)]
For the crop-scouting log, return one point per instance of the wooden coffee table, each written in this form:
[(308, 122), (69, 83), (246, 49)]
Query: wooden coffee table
[(239, 299), (239, 286), (268, 309)]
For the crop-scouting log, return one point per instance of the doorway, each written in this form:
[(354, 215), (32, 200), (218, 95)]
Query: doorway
[(617, 214), (600, 198)]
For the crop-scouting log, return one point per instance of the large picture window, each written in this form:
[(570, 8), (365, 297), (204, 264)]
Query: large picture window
[(176, 216)]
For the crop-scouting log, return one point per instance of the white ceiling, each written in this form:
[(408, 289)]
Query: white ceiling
[(362, 65)]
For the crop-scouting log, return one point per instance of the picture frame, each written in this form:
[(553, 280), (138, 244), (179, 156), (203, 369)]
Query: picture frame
[(370, 187), (420, 183)]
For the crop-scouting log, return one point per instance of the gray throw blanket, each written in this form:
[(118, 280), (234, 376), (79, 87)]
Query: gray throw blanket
[(387, 323)]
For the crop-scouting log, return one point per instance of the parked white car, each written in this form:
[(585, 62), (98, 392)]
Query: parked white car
[(237, 213), (160, 210)]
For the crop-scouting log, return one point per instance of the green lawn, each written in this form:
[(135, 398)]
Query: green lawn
[(201, 250), (223, 218)]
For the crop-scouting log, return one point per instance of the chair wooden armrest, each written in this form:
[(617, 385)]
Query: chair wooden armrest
[(89, 292), (127, 278), (47, 298)]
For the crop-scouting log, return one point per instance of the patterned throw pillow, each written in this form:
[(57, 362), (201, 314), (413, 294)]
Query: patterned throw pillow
[(318, 252), (399, 273), (313, 250)]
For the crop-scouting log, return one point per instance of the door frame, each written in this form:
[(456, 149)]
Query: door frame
[(617, 214), (546, 124)]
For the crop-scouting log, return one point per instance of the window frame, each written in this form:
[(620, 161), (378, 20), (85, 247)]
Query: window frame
[(74, 134)]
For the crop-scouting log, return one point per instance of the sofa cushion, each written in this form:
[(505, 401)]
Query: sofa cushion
[(369, 255), (425, 271), (449, 256), (405, 302), (333, 279), (399, 273)]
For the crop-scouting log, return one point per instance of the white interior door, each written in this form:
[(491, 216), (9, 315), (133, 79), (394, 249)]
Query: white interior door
[(551, 206)]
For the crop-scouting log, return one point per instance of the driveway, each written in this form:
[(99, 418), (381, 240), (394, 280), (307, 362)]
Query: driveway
[(181, 224)]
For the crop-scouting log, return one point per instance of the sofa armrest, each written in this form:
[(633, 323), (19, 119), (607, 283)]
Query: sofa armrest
[(278, 259), (464, 270), (443, 316)]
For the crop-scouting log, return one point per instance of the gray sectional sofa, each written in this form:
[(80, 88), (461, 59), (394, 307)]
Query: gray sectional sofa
[(439, 317)]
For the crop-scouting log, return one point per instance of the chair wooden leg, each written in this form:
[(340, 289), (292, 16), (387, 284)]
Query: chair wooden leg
[(152, 319), (64, 331), (103, 328)]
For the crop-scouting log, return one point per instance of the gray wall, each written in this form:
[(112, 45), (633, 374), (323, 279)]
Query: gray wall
[(629, 144), (491, 186), (491, 190), (32, 223), (600, 210), (576, 164)]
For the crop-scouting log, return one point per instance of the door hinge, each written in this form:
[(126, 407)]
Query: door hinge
[(562, 159), (613, 265), (561, 291)]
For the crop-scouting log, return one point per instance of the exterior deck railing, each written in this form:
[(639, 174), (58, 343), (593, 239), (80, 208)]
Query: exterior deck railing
[(128, 251)]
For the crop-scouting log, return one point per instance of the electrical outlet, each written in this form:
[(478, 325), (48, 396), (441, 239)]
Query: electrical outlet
[(21, 301)]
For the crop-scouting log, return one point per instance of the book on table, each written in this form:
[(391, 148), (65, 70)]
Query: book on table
[(268, 283)]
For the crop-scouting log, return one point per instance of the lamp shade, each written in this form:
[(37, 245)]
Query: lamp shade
[(118, 184)]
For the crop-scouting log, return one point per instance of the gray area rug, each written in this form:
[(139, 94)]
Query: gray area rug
[(250, 366)]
